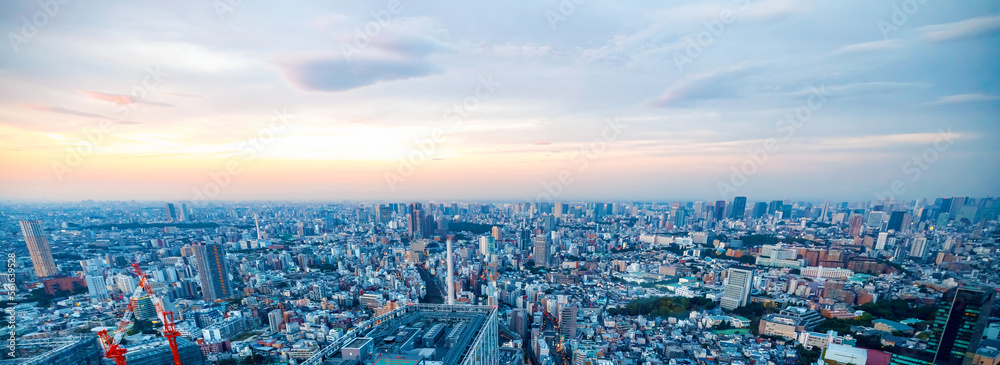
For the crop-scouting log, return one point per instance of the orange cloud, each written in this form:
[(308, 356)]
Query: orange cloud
[(114, 98)]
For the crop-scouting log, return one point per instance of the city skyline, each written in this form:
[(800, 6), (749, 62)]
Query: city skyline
[(405, 101)]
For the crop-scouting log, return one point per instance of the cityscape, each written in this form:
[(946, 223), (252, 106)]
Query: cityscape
[(544, 182), (740, 281)]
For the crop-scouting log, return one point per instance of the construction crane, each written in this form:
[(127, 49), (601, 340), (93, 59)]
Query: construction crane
[(169, 330), (111, 345)]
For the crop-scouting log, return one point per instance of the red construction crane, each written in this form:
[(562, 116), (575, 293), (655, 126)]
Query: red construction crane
[(112, 349), (169, 331)]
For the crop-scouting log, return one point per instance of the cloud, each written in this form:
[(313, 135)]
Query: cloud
[(542, 143), (869, 46), (120, 98), (339, 74), (718, 83), (183, 95), (965, 29), (399, 52), (58, 110), (963, 99)]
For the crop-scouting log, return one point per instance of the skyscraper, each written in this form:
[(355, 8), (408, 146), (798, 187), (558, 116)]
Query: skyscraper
[(759, 210), (567, 322), (896, 220), (739, 207), (737, 290), (918, 247), (855, 224), (720, 210), (170, 212), (38, 247), (213, 272), (415, 220), (274, 320), (97, 288), (958, 326), (541, 253)]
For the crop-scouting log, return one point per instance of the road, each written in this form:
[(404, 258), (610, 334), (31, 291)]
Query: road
[(434, 294)]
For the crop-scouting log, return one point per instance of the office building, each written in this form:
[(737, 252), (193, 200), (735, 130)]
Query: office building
[(542, 250), (737, 289), (855, 224), (918, 246), (97, 288), (274, 320), (518, 321), (739, 207), (875, 219), (213, 272), (759, 210), (958, 326), (720, 210), (38, 248), (170, 212), (143, 308), (567, 322)]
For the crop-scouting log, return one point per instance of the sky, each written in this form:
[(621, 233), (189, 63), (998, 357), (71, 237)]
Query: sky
[(499, 100)]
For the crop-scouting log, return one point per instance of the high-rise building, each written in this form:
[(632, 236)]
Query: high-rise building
[(183, 214), (958, 326), (759, 210), (213, 272), (567, 321), (737, 289), (518, 321), (956, 206), (497, 234), (918, 246), (739, 207), (680, 217), (880, 242), (774, 206), (170, 212), (875, 219), (415, 220), (97, 288), (855, 225), (720, 210), (896, 220), (143, 308), (274, 320), (542, 250), (38, 248)]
